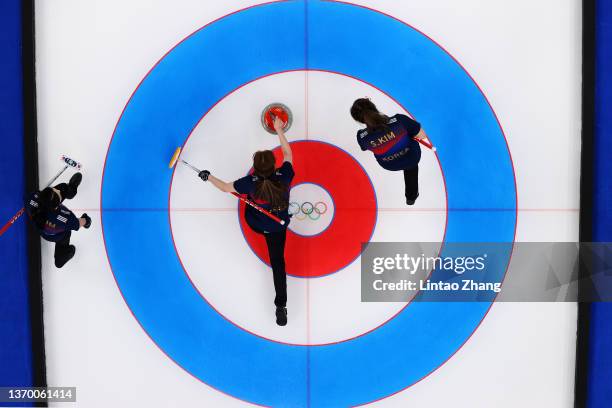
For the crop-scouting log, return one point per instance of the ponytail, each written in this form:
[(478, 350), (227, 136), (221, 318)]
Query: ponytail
[(274, 192), (271, 191), (364, 111)]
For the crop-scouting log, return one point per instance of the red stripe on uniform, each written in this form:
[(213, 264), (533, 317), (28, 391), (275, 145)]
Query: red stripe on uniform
[(385, 147)]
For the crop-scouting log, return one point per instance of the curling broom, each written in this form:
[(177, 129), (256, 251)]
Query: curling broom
[(68, 162), (175, 160)]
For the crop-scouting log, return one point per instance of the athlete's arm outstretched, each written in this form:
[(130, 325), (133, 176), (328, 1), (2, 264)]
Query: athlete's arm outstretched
[(220, 184), (285, 147), (229, 187)]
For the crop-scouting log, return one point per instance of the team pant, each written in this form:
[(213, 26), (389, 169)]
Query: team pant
[(276, 251), (68, 191), (411, 179), (63, 250)]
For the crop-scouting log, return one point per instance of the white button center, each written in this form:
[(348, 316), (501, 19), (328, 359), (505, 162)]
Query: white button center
[(312, 208)]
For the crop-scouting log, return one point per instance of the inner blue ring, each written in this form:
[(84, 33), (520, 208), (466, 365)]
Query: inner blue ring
[(221, 57)]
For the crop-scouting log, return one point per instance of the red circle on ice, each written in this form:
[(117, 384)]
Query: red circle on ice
[(354, 219)]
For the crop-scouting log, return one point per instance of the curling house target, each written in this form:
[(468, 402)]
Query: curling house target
[(198, 73)]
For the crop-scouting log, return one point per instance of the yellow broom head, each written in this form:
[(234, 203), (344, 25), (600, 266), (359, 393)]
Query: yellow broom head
[(175, 157)]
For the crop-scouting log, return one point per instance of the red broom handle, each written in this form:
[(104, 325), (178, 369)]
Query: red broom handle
[(258, 208), (425, 143), (12, 221)]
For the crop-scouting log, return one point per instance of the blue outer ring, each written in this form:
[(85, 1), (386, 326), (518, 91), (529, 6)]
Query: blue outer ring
[(185, 84)]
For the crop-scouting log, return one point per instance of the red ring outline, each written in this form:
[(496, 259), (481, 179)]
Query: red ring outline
[(354, 216)]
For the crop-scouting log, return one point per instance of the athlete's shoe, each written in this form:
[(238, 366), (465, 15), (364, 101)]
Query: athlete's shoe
[(411, 202), (75, 180), (70, 255), (281, 316)]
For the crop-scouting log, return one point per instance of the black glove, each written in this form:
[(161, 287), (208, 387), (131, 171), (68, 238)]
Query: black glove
[(87, 220), (204, 175)]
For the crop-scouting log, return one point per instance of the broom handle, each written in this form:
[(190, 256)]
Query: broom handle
[(258, 208), (57, 176), (244, 200), (425, 143)]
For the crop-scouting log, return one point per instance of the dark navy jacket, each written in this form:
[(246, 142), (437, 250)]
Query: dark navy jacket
[(393, 146), (58, 222), (256, 220)]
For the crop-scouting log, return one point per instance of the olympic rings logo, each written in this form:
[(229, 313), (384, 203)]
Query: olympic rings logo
[(307, 210)]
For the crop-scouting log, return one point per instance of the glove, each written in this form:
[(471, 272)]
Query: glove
[(204, 175), (87, 220)]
